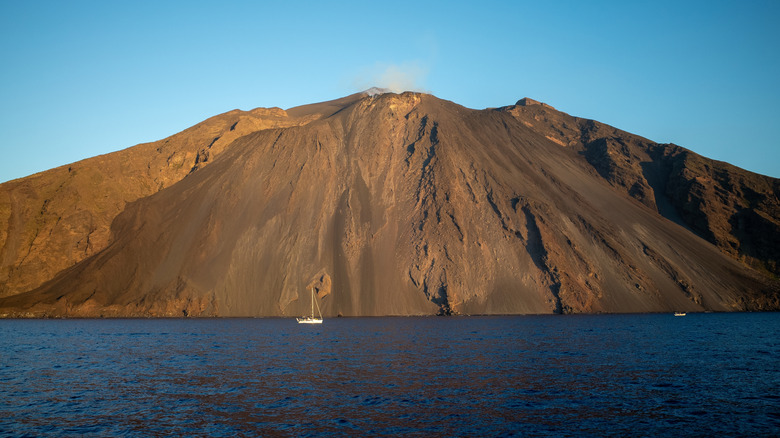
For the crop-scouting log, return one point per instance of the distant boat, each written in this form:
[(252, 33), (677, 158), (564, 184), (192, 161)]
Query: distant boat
[(680, 313), (311, 319)]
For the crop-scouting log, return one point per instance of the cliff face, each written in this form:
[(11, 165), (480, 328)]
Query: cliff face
[(732, 208), (391, 204)]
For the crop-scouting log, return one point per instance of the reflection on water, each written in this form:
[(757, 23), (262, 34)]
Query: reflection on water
[(638, 375)]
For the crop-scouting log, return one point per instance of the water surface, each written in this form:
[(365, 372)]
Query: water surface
[(596, 375)]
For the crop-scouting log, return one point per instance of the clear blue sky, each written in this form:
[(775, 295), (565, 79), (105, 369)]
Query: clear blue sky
[(78, 79)]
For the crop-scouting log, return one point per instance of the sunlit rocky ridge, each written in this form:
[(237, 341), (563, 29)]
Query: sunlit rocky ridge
[(390, 204)]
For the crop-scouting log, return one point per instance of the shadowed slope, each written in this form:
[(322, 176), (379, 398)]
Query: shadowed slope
[(734, 209), (402, 204)]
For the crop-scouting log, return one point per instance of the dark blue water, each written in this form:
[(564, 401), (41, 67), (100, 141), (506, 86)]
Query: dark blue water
[(606, 375)]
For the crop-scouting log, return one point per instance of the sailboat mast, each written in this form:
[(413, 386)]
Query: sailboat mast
[(319, 312), (312, 303)]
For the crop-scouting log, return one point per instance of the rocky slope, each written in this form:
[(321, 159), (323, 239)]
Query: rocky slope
[(390, 204), (52, 220), (732, 208)]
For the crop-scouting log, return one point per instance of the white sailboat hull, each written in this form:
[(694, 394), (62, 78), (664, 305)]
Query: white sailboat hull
[(308, 320)]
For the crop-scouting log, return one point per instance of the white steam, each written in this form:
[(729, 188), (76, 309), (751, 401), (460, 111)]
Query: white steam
[(396, 78), (375, 91)]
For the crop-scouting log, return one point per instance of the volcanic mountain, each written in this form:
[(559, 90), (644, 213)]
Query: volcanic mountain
[(390, 204)]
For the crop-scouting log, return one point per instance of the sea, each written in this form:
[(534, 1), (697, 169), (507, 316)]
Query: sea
[(714, 374)]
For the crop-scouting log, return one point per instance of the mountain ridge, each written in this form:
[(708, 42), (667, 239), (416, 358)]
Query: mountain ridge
[(422, 209)]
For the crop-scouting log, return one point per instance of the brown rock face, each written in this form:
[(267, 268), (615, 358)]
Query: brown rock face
[(54, 219), (390, 204), (734, 209)]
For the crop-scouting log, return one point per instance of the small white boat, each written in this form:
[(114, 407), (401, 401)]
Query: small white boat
[(680, 313), (311, 319)]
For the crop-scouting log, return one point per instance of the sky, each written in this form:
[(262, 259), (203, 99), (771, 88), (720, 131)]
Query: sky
[(79, 79)]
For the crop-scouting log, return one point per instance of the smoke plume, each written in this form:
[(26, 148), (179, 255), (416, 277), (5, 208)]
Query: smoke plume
[(408, 76)]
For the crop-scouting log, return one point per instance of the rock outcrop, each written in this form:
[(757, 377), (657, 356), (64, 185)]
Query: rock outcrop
[(390, 204)]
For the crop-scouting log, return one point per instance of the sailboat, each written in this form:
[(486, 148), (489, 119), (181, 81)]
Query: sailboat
[(311, 319)]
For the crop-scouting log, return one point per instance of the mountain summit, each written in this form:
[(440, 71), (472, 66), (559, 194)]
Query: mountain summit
[(390, 204)]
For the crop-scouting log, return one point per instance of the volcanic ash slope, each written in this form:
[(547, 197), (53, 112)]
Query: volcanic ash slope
[(405, 205)]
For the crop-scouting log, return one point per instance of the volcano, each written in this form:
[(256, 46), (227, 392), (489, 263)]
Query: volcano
[(390, 204)]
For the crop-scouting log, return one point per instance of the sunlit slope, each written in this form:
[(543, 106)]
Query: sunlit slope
[(408, 204)]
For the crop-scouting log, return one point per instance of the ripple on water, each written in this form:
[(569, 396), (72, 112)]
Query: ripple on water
[(581, 376)]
